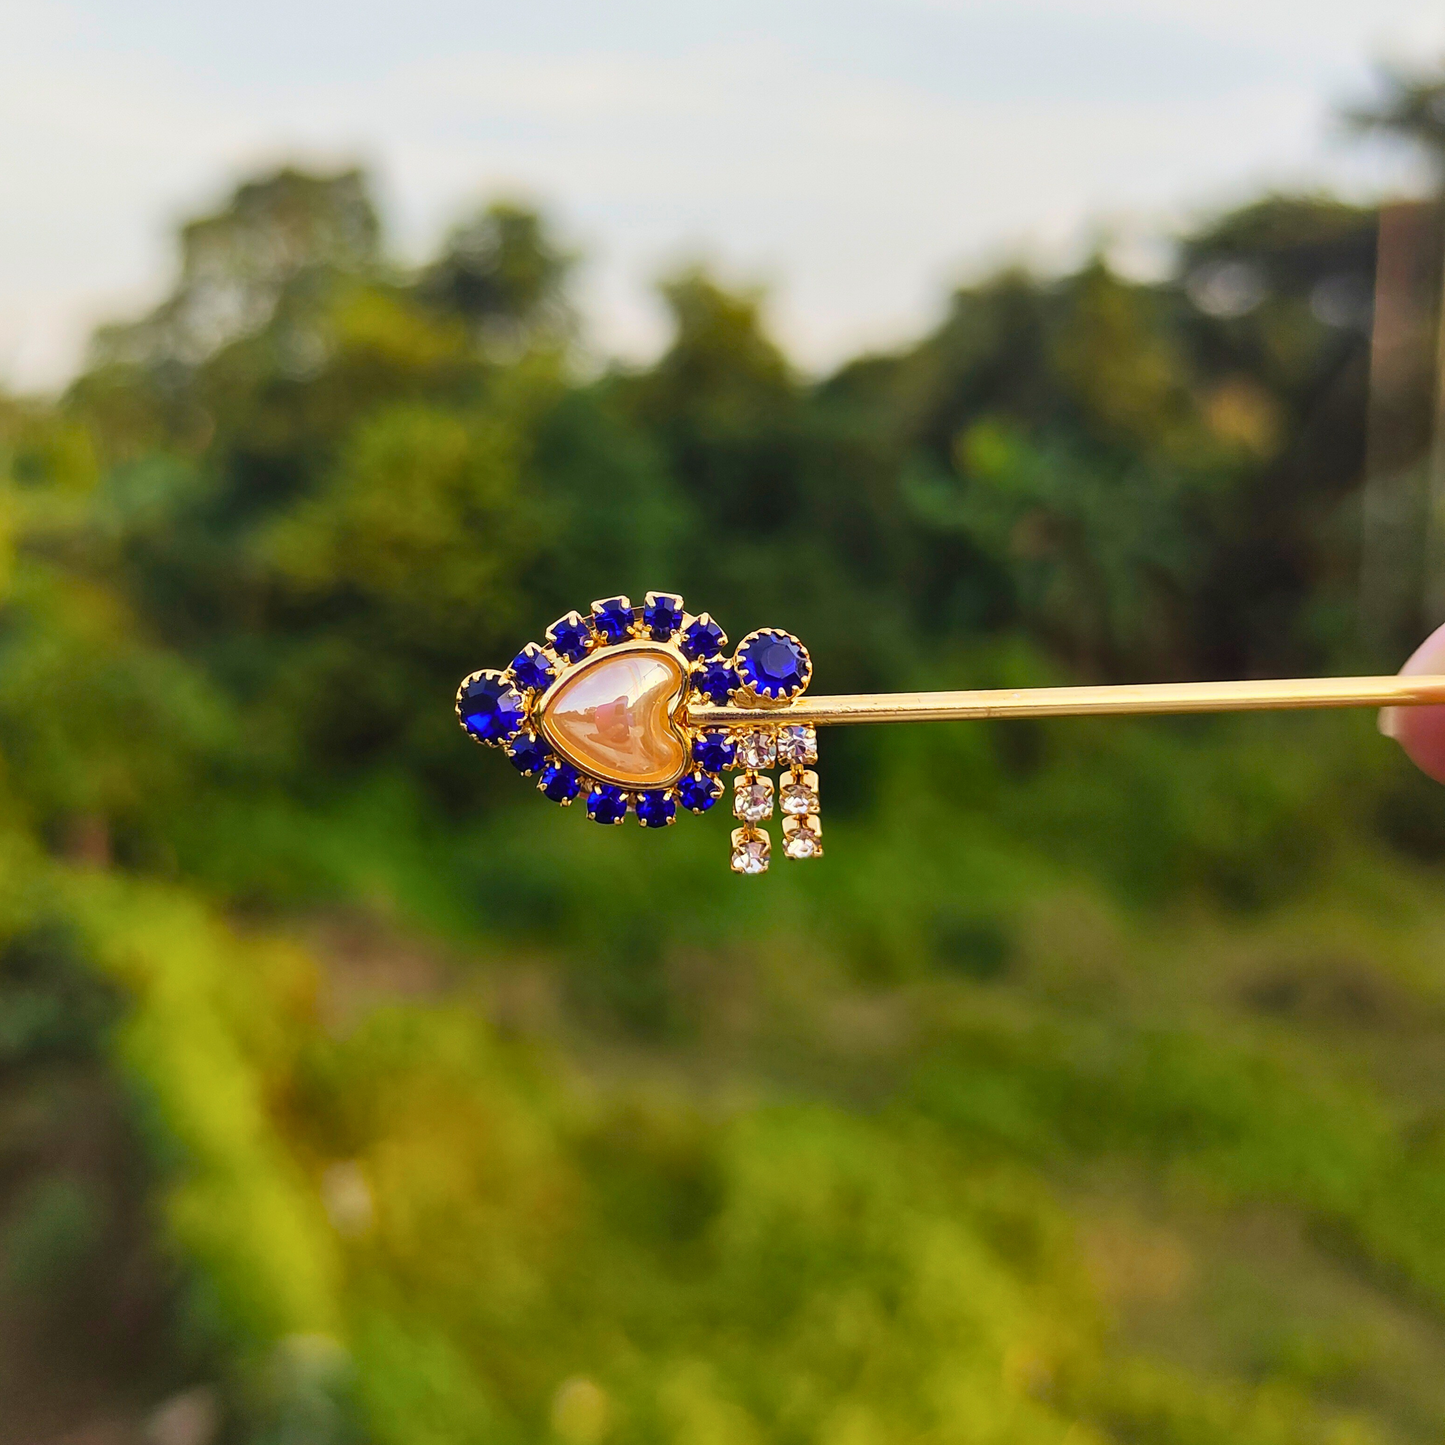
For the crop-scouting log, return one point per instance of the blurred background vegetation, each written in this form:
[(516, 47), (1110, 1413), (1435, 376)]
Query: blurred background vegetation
[(1091, 1090)]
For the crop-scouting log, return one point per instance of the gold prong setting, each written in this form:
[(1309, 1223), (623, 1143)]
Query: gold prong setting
[(752, 797), (750, 850), (798, 793), (757, 749), (773, 668), (490, 707), (797, 743), (802, 837)]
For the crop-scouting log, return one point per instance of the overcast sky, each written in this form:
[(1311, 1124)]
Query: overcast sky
[(855, 155)]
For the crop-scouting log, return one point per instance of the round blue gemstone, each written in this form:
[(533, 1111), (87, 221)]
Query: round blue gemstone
[(703, 638), (655, 810), (715, 682), (613, 619), (531, 667), (490, 708), (606, 804), (560, 782), (714, 752), (662, 614), (570, 637), (773, 664), (528, 753), (699, 791)]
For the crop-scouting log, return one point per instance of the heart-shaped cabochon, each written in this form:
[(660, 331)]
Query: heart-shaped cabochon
[(618, 715)]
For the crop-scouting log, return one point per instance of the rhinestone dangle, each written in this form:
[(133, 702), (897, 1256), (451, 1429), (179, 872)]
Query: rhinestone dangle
[(752, 801), (789, 747), (802, 827)]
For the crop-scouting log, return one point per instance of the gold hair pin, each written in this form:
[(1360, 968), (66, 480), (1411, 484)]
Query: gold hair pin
[(640, 709)]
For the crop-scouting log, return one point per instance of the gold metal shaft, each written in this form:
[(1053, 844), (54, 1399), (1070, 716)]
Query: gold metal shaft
[(1159, 697)]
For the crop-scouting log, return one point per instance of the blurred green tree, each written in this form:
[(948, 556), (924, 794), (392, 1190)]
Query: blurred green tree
[(504, 273), (1411, 106), (638, 1157)]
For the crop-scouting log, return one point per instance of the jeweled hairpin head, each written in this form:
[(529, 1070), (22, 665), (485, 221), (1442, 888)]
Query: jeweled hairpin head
[(641, 710), (600, 711)]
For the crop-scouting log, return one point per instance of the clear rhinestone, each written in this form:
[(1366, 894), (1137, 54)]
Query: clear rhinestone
[(753, 799), (802, 837), (757, 750), (750, 852), (799, 795), (798, 743)]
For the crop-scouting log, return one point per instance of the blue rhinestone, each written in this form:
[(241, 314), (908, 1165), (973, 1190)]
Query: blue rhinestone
[(613, 619), (490, 708), (560, 782), (715, 682), (699, 791), (714, 751), (570, 637), (656, 810), (774, 664), (662, 613), (532, 667), (703, 638), (606, 804), (528, 753)]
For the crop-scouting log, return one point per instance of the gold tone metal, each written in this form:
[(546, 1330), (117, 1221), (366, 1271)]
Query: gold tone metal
[(1162, 697), (803, 836), (798, 788), (751, 850)]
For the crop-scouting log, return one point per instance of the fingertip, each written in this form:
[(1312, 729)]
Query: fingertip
[(1421, 730)]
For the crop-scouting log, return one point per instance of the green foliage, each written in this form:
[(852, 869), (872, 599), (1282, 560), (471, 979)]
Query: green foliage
[(279, 235), (502, 271), (461, 1121)]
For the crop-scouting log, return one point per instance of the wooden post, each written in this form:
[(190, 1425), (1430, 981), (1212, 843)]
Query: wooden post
[(1402, 556)]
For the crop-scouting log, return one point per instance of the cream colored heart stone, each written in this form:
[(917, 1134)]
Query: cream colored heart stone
[(617, 715)]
